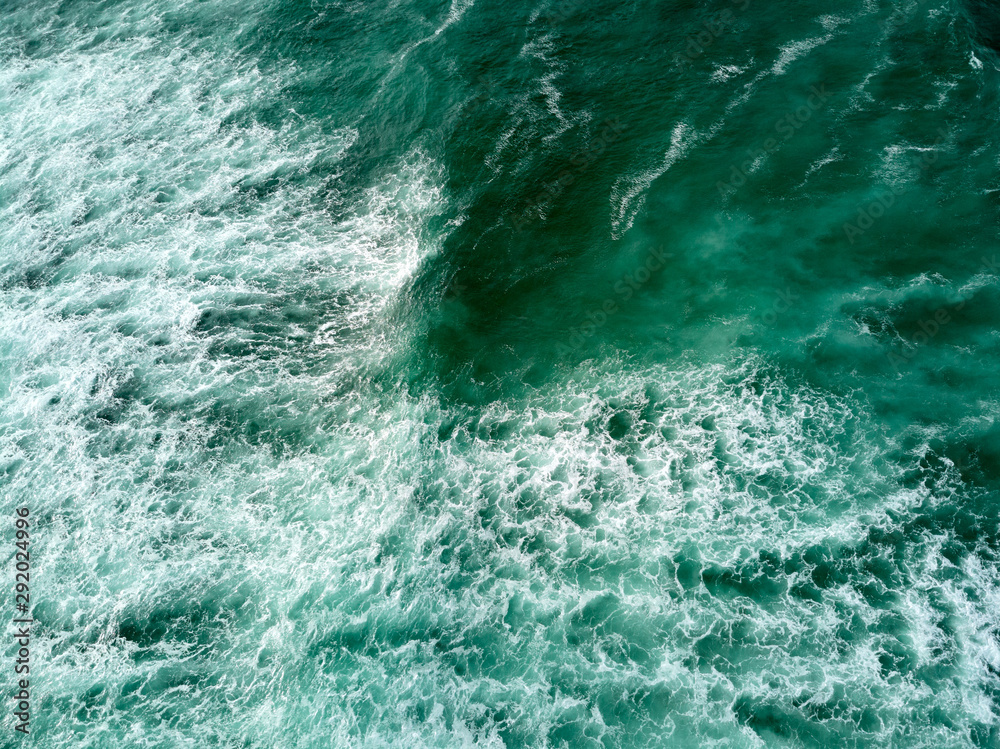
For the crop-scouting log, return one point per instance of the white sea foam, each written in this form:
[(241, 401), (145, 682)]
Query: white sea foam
[(629, 192), (247, 536)]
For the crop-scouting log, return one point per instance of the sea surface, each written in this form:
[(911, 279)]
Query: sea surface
[(587, 374)]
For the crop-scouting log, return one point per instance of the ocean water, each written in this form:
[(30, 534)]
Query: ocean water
[(516, 374)]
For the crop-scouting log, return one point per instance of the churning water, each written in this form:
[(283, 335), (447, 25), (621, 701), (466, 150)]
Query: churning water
[(504, 374)]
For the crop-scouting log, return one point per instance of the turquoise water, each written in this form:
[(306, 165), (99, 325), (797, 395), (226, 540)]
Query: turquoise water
[(518, 374)]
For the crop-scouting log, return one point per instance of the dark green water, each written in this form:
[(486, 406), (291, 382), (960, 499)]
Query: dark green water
[(580, 374)]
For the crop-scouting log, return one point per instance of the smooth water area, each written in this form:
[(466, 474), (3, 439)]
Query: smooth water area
[(512, 374)]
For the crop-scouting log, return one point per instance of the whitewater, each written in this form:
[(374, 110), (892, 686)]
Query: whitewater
[(527, 374)]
